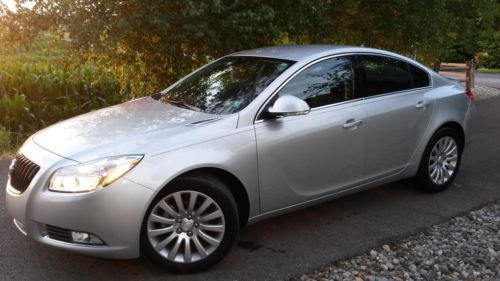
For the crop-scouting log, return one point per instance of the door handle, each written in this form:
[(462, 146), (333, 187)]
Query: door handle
[(352, 124), (421, 105)]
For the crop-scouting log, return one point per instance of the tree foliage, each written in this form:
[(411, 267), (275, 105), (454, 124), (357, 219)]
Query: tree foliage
[(172, 37), (476, 29)]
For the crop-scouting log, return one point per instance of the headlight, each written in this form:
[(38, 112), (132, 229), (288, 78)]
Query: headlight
[(92, 175)]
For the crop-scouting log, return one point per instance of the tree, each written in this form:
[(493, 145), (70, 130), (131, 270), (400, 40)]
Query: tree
[(476, 23), (407, 27), (173, 37)]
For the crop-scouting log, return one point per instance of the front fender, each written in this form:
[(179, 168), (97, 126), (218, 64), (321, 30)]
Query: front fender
[(234, 153)]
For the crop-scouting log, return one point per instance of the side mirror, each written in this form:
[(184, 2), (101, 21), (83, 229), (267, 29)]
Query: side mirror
[(288, 105)]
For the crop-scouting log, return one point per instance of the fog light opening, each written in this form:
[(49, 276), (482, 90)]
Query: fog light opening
[(85, 238)]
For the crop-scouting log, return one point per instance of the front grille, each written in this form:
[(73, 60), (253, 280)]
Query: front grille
[(23, 173), (58, 233)]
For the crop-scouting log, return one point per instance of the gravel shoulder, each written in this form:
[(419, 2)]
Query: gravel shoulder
[(485, 92), (464, 248)]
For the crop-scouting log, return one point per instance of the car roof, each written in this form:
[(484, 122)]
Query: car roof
[(299, 52), (307, 52)]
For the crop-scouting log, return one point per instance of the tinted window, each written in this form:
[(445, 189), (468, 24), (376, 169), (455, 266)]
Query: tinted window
[(420, 78), (383, 75), (326, 82), (227, 85)]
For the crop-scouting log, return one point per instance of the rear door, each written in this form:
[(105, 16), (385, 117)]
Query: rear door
[(397, 112)]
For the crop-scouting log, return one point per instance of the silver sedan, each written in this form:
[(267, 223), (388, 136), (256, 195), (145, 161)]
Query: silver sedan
[(251, 135)]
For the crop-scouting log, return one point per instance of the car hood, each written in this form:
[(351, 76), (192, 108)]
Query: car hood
[(139, 126)]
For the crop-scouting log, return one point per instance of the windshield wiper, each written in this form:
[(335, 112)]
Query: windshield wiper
[(179, 104)]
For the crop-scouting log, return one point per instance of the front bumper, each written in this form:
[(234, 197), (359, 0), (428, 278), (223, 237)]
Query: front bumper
[(114, 213)]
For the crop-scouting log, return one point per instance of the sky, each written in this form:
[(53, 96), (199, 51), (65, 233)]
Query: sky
[(11, 4)]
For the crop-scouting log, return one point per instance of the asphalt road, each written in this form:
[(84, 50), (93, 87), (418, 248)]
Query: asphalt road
[(296, 243), (486, 79)]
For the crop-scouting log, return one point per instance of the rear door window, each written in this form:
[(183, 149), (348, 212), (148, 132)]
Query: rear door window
[(381, 75)]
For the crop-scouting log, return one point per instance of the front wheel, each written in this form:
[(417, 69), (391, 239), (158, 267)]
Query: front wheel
[(191, 225), (440, 161)]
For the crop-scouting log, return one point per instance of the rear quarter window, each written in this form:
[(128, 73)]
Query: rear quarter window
[(420, 78)]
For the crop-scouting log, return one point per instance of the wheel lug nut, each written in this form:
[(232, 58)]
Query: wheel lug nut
[(179, 220), (179, 230), (190, 233), (189, 217), (196, 224)]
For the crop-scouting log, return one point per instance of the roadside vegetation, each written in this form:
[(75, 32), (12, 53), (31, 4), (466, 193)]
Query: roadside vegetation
[(488, 70), (61, 58), (48, 84), (6, 145)]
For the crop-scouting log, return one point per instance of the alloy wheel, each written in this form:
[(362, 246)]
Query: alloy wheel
[(443, 160), (186, 226)]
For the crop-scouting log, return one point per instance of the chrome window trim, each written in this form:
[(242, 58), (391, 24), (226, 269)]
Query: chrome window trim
[(431, 82), (397, 92), (335, 104)]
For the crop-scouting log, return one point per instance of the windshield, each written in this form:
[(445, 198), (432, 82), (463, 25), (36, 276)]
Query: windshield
[(226, 86)]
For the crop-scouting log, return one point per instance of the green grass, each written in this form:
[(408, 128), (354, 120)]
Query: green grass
[(488, 70)]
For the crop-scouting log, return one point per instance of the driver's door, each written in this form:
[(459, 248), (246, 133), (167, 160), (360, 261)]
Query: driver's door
[(305, 157)]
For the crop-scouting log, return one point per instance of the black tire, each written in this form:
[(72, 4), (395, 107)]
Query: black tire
[(217, 191), (423, 179)]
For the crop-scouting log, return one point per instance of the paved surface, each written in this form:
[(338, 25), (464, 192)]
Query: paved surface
[(490, 80), (296, 243)]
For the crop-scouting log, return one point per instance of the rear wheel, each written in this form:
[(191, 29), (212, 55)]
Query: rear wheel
[(440, 161), (191, 225)]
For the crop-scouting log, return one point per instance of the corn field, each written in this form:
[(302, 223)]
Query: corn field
[(39, 89)]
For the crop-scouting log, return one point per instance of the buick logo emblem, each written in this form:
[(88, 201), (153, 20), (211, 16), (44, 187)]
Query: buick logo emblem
[(12, 165)]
